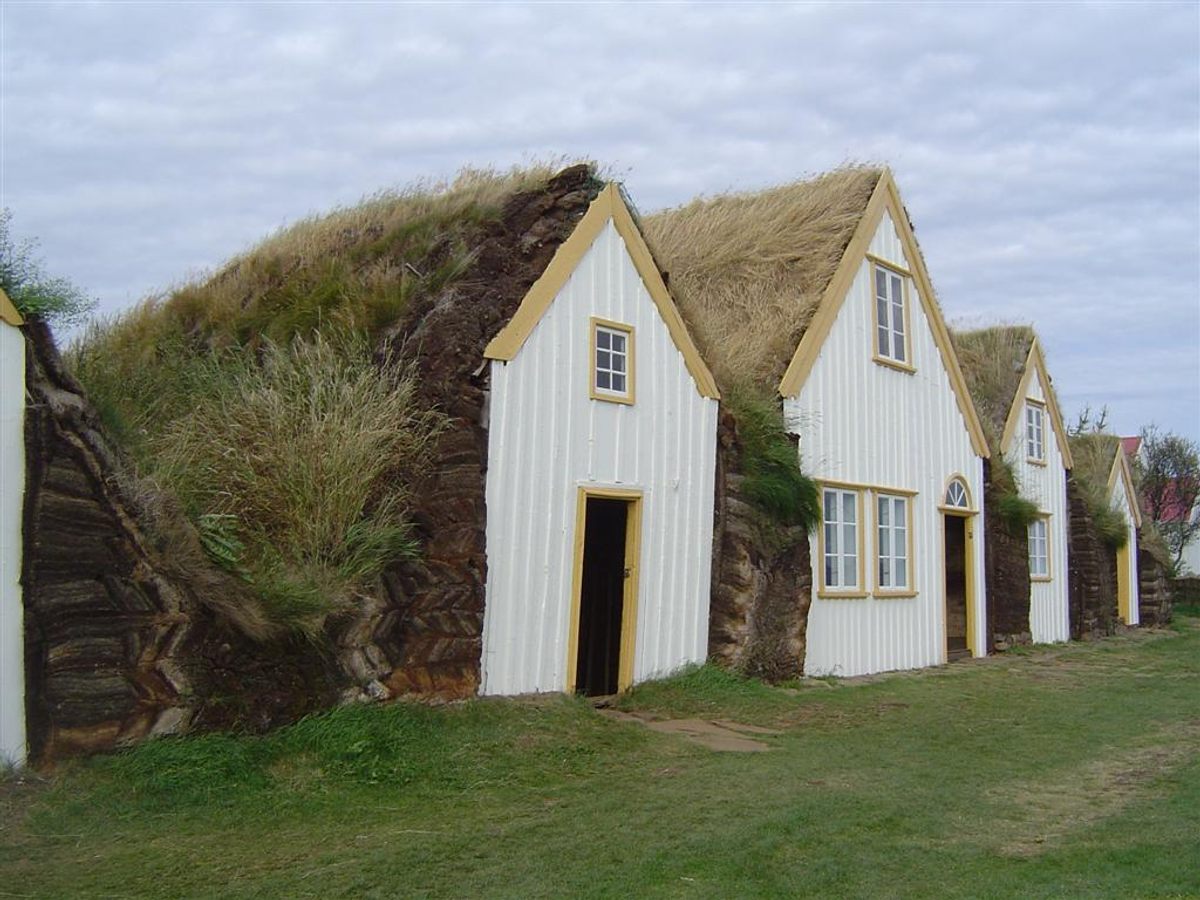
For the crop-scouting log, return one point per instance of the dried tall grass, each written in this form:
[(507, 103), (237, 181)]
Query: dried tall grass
[(1094, 455), (993, 362), (303, 459), (749, 269)]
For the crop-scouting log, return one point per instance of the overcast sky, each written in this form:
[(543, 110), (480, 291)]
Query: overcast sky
[(1049, 155)]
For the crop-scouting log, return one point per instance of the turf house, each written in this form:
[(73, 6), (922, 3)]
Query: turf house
[(1027, 519), (1105, 538), (455, 439), (817, 291), (12, 406)]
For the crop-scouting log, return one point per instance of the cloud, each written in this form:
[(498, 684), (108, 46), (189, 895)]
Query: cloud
[(1049, 154)]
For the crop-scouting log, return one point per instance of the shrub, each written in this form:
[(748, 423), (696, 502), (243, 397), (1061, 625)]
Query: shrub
[(1016, 512), (770, 465)]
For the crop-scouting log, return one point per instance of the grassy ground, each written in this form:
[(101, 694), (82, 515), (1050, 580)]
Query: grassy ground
[(1060, 771)]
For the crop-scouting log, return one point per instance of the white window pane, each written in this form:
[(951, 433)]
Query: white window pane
[(831, 571), (880, 283), (618, 363), (618, 343), (618, 383), (849, 507), (603, 338), (603, 359), (848, 537), (884, 511), (885, 542), (849, 571), (831, 538), (603, 380), (901, 573)]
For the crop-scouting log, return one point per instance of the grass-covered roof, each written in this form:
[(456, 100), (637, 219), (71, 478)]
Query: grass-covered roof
[(993, 363), (281, 398), (749, 269)]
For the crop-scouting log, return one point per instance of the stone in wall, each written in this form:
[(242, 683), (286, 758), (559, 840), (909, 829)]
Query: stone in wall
[(1093, 566), (1154, 587), (762, 580), (1006, 558), (129, 631)]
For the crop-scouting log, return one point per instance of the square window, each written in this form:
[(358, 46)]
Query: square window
[(612, 362)]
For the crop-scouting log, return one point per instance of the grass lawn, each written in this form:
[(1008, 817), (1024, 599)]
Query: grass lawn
[(1070, 770)]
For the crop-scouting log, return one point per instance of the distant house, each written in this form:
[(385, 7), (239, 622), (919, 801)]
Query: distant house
[(819, 289), (1176, 511), (1012, 389), (601, 441), (12, 492), (1106, 519)]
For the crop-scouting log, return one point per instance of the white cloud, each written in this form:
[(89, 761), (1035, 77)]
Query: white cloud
[(1049, 155)]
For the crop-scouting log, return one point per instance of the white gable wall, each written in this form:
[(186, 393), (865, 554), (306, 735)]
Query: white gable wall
[(12, 491), (1045, 485), (547, 438), (1119, 499), (867, 423)]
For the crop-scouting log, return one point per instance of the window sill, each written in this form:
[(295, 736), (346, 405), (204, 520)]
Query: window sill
[(1041, 579), (894, 364), (884, 594), (850, 595), (1035, 462), (605, 398)]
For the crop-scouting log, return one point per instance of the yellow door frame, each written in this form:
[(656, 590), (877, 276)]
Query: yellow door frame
[(629, 603), (1123, 592), (968, 575)]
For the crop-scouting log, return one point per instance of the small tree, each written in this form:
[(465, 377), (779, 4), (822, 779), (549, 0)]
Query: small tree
[(32, 291), (1168, 468)]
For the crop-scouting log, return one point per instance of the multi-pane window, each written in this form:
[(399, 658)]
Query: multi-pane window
[(611, 369), (1035, 430), (840, 538), (891, 527), (889, 315), (1039, 549)]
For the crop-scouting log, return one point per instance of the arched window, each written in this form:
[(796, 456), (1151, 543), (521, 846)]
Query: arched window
[(956, 495)]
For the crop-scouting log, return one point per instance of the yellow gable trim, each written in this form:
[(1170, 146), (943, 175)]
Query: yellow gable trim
[(886, 197), (608, 205), (1120, 470), (8, 312), (1036, 362)]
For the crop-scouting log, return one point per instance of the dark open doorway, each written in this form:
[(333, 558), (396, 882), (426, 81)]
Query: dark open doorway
[(956, 587), (602, 596)]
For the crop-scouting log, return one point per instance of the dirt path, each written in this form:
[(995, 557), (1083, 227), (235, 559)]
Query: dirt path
[(720, 735)]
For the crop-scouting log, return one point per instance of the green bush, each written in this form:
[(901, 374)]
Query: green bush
[(1016, 512), (770, 465)]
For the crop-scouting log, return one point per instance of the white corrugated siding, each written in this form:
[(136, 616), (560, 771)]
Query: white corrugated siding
[(12, 490), (1118, 498), (866, 423), (1047, 487), (547, 438)]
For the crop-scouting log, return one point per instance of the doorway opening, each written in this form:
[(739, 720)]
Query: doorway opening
[(956, 579), (602, 652)]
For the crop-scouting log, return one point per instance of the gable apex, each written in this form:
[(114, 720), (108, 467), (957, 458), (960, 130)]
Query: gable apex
[(1035, 366), (8, 312), (884, 199), (609, 205), (1121, 472)]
